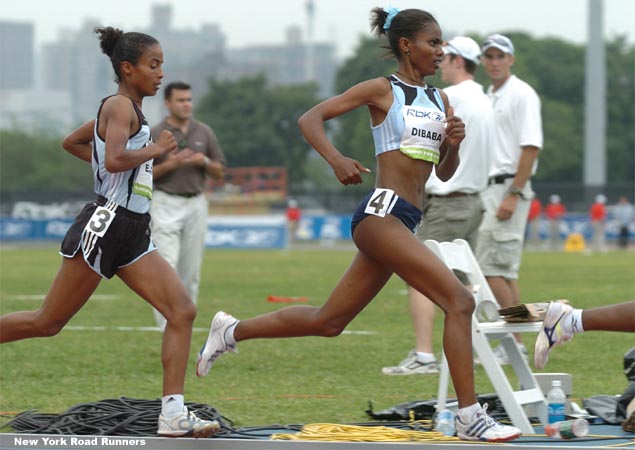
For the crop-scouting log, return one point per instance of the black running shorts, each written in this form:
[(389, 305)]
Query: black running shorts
[(109, 237)]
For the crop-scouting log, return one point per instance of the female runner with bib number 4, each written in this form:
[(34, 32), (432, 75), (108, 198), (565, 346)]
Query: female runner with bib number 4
[(414, 128), (111, 236)]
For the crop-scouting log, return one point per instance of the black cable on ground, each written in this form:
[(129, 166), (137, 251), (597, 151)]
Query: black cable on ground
[(112, 417)]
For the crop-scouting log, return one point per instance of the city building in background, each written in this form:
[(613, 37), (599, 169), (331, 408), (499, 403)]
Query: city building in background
[(29, 109), (286, 63), (24, 104), (76, 75), (17, 68), (74, 64)]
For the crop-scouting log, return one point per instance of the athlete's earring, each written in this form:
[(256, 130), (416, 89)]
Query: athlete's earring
[(408, 51)]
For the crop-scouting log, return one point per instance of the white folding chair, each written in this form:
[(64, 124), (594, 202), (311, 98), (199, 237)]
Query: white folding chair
[(457, 255)]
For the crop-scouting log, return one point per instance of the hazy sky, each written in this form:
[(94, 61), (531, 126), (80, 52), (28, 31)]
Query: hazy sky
[(251, 21)]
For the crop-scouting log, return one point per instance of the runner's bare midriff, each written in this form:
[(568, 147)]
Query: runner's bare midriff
[(404, 175)]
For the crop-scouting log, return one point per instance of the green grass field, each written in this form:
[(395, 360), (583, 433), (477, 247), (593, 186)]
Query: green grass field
[(269, 382)]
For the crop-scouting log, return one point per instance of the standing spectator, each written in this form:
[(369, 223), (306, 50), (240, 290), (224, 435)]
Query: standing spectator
[(597, 214), (453, 209), (517, 142), (555, 211), (533, 222), (179, 208), (624, 214), (293, 214)]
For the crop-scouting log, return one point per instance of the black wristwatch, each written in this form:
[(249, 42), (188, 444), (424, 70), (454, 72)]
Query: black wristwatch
[(513, 190)]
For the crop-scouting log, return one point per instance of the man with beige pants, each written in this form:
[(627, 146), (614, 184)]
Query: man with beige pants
[(179, 207)]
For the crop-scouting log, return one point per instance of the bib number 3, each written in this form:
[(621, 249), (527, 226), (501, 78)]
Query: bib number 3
[(381, 202), (100, 221)]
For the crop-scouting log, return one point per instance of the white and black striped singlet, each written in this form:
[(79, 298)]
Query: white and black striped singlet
[(131, 189)]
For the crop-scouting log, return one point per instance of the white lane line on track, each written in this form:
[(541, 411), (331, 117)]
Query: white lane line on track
[(156, 329)]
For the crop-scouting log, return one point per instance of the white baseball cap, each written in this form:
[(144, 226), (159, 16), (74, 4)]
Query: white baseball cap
[(503, 43), (600, 198), (465, 47)]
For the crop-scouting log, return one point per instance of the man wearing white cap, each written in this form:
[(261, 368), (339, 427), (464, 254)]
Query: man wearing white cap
[(518, 139), (453, 209)]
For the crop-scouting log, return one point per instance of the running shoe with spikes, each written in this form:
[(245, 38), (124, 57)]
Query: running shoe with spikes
[(216, 343), (186, 424), (485, 428), (551, 333)]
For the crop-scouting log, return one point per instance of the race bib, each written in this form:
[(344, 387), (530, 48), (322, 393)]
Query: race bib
[(142, 184), (423, 133), (100, 221), (381, 202)]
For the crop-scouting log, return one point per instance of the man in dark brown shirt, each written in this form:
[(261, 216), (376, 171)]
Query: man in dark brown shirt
[(179, 206)]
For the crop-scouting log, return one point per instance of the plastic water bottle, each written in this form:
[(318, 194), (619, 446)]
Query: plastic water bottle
[(555, 402), (568, 429), (445, 422)]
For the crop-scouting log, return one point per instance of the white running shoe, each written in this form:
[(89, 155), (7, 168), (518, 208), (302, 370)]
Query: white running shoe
[(551, 333), (410, 357), (186, 424), (216, 344), (411, 365), (485, 428)]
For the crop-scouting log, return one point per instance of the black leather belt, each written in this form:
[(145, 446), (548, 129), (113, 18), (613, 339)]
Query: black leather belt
[(185, 195), (451, 195), (500, 179)]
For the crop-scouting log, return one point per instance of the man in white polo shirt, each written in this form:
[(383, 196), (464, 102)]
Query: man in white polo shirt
[(514, 160), (453, 209)]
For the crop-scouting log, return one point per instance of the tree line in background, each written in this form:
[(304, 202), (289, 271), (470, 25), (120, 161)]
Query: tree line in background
[(256, 122)]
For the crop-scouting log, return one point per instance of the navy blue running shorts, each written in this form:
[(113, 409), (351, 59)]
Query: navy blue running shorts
[(380, 202), (109, 236)]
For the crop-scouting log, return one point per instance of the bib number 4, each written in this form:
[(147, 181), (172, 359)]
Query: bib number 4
[(381, 202)]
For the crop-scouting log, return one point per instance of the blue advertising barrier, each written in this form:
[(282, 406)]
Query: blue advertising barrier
[(222, 232), (246, 232), (272, 231), (33, 229), (324, 228)]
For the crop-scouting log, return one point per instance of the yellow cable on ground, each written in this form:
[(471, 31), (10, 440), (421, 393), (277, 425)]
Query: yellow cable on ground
[(356, 433)]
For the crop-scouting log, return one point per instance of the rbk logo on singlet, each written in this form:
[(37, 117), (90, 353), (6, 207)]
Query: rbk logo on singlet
[(423, 133), (425, 113)]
